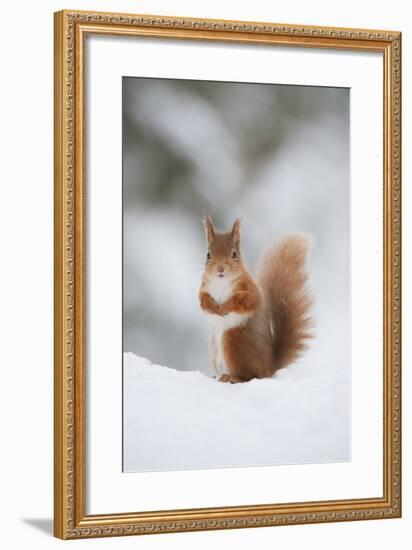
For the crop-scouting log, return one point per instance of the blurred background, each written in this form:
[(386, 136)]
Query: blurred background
[(276, 156)]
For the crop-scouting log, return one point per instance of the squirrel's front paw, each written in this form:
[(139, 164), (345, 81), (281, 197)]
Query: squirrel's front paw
[(208, 304), (214, 308)]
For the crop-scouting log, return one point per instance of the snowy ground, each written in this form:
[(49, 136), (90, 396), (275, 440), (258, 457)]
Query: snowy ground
[(183, 420)]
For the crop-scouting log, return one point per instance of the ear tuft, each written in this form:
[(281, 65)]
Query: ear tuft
[(236, 231), (209, 229)]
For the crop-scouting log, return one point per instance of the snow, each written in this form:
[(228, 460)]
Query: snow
[(186, 420)]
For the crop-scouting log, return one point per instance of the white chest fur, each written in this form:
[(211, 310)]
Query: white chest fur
[(220, 291)]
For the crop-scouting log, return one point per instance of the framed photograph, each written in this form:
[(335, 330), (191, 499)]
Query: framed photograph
[(227, 274)]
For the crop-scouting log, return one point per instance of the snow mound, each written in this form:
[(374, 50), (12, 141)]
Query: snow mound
[(185, 420)]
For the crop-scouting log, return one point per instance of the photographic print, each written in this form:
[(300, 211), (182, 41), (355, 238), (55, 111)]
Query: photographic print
[(227, 274), (236, 274)]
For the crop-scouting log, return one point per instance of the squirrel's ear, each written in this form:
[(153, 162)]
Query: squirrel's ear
[(236, 231), (209, 229)]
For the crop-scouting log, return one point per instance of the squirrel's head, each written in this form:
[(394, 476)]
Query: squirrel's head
[(223, 258)]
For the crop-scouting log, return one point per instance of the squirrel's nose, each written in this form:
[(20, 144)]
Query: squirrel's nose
[(221, 268)]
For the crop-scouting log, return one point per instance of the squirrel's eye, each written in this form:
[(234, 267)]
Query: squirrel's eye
[(234, 254), (209, 256)]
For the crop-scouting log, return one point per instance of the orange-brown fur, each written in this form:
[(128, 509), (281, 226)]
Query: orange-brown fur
[(272, 322), (245, 298), (282, 273)]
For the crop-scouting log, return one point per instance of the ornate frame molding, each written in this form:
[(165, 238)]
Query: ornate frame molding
[(71, 520)]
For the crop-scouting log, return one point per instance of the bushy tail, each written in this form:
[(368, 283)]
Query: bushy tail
[(283, 278)]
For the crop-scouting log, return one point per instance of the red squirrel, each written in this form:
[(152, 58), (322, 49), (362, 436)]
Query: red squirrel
[(257, 325)]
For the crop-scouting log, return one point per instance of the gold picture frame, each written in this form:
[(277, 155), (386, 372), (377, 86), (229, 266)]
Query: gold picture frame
[(70, 518)]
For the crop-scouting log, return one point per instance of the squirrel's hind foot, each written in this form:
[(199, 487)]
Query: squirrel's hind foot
[(229, 378)]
